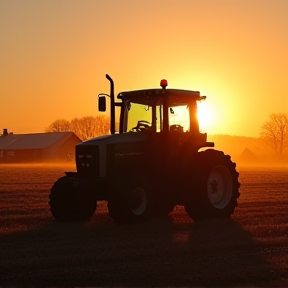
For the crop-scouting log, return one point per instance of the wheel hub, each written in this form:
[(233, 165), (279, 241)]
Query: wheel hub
[(138, 201), (219, 186), (214, 186)]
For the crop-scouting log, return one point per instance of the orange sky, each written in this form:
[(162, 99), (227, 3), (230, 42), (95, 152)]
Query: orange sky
[(54, 55)]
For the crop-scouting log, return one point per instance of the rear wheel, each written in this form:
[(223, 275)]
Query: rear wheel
[(215, 187), (131, 202), (67, 204)]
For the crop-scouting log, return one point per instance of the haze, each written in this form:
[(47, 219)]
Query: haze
[(54, 56)]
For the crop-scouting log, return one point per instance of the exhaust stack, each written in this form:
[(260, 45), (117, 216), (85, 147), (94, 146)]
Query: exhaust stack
[(112, 105)]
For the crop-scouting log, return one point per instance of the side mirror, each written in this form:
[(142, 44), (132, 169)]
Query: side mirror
[(102, 103)]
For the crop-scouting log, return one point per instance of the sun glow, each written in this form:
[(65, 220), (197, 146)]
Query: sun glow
[(205, 116)]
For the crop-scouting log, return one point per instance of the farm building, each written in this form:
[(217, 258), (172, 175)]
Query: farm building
[(38, 147), (247, 157)]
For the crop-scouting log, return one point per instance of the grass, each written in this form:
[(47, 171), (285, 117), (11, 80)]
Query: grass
[(251, 249)]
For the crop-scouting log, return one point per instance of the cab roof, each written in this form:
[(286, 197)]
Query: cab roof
[(161, 93)]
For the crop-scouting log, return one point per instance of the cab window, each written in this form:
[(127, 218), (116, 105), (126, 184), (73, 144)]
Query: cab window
[(138, 112), (179, 118), (151, 117)]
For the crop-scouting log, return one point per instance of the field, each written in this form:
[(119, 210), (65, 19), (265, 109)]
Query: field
[(248, 250)]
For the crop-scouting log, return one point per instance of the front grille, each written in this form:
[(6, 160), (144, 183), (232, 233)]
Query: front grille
[(87, 161)]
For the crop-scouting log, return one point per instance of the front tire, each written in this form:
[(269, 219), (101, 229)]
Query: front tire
[(68, 204), (215, 187)]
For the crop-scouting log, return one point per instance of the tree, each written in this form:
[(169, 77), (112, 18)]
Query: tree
[(60, 125), (103, 124), (88, 127), (85, 128), (275, 132)]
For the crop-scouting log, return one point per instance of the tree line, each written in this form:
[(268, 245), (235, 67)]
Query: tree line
[(85, 127), (274, 132)]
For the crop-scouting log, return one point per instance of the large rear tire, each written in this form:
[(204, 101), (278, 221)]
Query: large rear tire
[(130, 202), (67, 204), (215, 186)]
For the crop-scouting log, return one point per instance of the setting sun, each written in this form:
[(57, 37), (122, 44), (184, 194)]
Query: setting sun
[(205, 116)]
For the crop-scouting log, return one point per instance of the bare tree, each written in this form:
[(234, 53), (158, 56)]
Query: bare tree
[(59, 125), (75, 124), (275, 132), (85, 128), (103, 124), (89, 127)]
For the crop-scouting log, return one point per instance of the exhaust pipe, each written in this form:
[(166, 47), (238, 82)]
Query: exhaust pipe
[(112, 105)]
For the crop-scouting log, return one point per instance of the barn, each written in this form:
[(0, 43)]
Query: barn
[(38, 147)]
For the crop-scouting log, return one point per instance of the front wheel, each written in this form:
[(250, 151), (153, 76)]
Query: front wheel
[(215, 187), (68, 204)]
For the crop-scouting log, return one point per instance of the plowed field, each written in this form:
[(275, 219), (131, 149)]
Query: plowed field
[(250, 249)]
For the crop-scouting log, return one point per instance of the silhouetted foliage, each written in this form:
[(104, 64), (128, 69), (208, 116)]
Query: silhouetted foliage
[(275, 132), (85, 127), (60, 125)]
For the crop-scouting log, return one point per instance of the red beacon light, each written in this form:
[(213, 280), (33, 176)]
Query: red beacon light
[(163, 83)]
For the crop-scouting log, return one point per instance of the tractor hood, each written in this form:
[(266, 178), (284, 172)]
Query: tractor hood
[(110, 154), (116, 138)]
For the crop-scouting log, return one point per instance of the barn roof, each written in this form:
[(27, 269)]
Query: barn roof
[(33, 141)]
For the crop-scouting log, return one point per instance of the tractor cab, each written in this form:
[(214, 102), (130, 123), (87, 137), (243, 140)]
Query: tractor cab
[(168, 116), (157, 110)]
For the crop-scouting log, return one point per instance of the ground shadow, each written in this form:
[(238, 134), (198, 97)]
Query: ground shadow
[(174, 251)]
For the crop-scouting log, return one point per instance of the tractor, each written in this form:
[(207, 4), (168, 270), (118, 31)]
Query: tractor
[(157, 159)]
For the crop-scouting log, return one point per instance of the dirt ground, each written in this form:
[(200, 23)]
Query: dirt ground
[(248, 250)]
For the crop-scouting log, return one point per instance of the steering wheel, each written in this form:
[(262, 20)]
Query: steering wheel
[(141, 125), (176, 128)]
